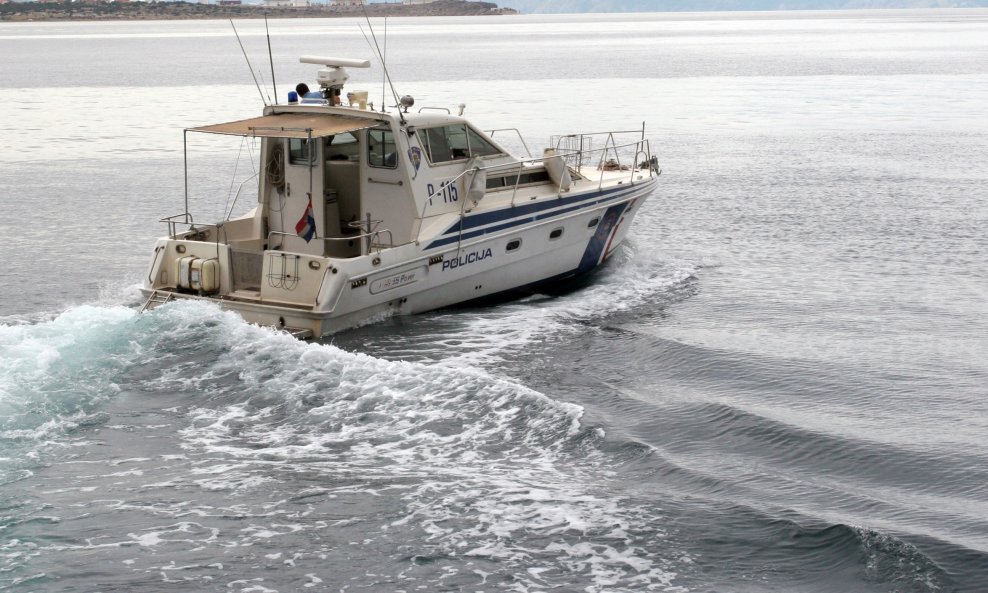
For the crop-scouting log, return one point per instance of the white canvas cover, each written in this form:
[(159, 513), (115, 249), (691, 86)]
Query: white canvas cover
[(290, 125)]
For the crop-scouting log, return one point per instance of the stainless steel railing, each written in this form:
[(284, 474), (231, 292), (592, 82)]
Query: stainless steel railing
[(576, 157), (370, 241), (517, 132)]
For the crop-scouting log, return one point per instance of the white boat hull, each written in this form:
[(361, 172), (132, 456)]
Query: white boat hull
[(469, 263)]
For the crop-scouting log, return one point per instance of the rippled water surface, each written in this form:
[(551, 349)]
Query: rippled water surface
[(778, 383)]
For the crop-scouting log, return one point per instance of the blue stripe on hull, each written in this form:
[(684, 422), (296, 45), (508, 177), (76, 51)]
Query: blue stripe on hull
[(453, 234), (601, 238), (593, 256), (525, 209)]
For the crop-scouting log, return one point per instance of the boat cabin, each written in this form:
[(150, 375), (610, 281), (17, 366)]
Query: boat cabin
[(359, 174)]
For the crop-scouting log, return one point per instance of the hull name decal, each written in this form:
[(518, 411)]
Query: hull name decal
[(467, 259)]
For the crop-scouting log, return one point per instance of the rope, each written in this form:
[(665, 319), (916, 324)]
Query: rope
[(275, 167)]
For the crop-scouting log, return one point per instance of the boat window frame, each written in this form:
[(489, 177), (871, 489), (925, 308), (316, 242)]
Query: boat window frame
[(307, 156), (511, 180), (426, 140), (383, 157), (331, 146)]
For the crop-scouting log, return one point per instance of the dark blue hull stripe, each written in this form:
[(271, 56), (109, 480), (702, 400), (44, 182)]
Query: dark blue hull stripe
[(581, 202), (601, 238), (531, 208)]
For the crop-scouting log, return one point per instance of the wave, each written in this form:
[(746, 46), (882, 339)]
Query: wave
[(427, 469), (479, 471), (55, 373), (633, 282), (753, 551)]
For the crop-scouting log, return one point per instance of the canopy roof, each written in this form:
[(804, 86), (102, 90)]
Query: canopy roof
[(290, 125)]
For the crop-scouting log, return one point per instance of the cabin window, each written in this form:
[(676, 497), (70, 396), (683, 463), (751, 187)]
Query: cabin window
[(300, 151), (556, 233), (525, 179), (513, 244), (456, 136), (593, 223), (342, 147), (455, 142), (381, 150), (435, 145), (480, 146)]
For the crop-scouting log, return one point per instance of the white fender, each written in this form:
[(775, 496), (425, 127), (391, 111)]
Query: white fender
[(477, 187), (555, 165)]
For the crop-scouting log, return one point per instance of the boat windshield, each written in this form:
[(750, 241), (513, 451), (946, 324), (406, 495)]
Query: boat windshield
[(455, 142)]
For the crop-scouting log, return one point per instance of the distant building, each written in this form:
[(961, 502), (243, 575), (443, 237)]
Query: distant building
[(348, 2), (417, 1), (230, 2), (287, 3)]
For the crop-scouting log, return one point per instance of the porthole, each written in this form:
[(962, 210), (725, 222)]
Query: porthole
[(556, 233), (593, 223), (513, 245)]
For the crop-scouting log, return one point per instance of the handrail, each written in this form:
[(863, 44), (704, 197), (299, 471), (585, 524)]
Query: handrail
[(428, 200), (374, 234), (639, 146), (582, 137), (173, 234), (517, 168), (603, 155), (172, 222), (601, 133), (516, 131), (157, 251)]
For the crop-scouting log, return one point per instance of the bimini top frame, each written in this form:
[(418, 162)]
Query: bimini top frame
[(279, 125), (290, 125)]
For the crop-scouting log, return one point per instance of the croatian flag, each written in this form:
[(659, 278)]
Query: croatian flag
[(306, 226)]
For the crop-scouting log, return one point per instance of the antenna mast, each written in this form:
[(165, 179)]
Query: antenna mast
[(270, 58), (401, 116), (384, 61), (249, 67)]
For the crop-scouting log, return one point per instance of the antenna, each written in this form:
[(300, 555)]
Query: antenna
[(383, 64), (249, 67), (270, 58), (384, 59), (334, 62)]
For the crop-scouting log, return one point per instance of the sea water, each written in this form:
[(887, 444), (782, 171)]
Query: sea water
[(777, 384)]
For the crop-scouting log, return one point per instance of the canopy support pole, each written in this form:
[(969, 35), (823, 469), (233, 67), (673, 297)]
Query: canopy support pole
[(185, 166)]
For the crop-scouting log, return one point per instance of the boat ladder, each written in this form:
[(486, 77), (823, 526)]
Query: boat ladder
[(156, 298)]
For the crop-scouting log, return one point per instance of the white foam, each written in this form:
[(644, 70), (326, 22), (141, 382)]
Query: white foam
[(184, 532), (249, 586), (65, 365), (313, 580), (468, 445), (491, 336), (481, 466)]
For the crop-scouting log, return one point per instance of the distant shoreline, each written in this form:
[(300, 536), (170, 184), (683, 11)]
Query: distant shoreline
[(102, 10)]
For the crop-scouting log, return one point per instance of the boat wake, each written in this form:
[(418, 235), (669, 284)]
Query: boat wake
[(489, 336), (206, 451), (306, 459)]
